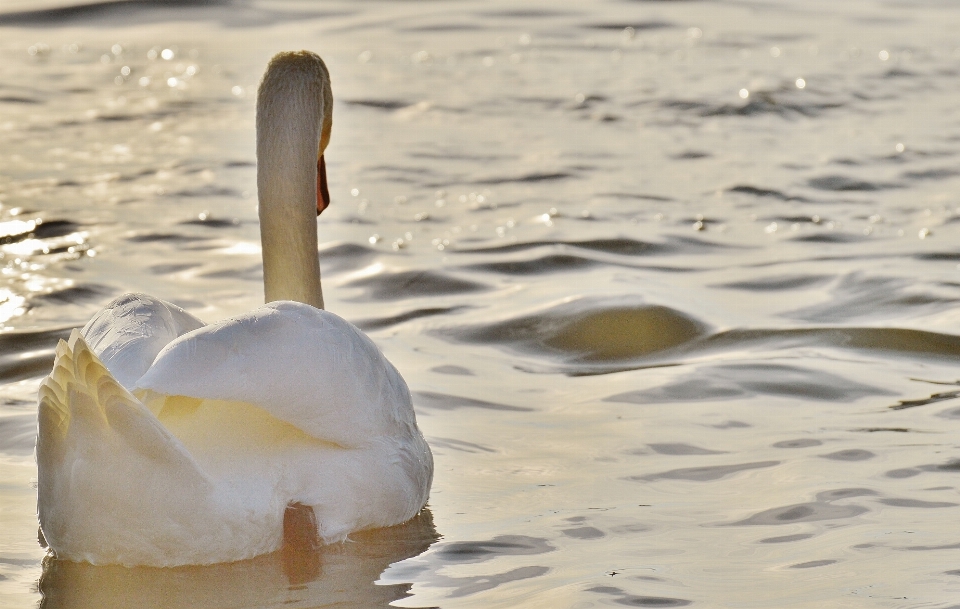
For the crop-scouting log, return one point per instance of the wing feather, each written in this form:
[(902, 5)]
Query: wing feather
[(303, 365), (128, 333)]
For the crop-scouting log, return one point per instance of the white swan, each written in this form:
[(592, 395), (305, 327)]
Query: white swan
[(163, 441)]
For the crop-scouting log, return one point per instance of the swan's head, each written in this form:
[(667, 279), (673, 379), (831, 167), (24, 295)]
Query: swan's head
[(295, 107)]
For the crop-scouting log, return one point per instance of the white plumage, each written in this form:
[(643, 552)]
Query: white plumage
[(163, 441)]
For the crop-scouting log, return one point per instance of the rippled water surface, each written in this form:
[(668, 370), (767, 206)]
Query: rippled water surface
[(675, 284)]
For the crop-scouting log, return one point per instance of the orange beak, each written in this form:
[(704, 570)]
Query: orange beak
[(323, 195)]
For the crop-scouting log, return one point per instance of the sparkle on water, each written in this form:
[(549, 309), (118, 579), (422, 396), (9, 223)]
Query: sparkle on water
[(675, 284)]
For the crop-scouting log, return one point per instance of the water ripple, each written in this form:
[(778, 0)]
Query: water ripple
[(589, 331), (598, 336), (413, 284), (704, 474), (28, 354)]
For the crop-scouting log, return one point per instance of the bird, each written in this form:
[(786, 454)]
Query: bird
[(163, 441)]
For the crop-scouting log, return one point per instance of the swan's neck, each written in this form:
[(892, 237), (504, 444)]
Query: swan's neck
[(290, 111)]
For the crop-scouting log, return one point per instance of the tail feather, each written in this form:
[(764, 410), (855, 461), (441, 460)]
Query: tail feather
[(80, 389), (54, 414), (107, 467)]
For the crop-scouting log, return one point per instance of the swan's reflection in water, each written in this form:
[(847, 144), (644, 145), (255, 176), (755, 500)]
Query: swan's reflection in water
[(340, 575)]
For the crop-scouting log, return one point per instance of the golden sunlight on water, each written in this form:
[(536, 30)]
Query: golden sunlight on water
[(674, 284)]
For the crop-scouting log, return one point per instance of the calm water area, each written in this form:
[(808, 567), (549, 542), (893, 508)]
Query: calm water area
[(675, 284)]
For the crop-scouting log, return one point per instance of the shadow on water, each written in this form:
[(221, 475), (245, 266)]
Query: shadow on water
[(340, 575)]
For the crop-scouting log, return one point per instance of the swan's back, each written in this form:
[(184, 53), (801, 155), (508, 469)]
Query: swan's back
[(228, 426)]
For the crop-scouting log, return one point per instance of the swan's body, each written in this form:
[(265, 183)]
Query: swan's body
[(163, 441)]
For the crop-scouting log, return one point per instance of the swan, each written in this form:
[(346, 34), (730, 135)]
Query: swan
[(163, 441)]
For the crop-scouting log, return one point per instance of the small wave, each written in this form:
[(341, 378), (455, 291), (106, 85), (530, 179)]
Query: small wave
[(109, 12), (14, 99), (444, 27), (209, 221), (938, 256), (850, 454), (635, 25), (341, 256), (942, 173), (539, 266), (443, 401), (738, 381), (88, 11), (812, 564), (461, 552), (761, 103), (452, 155), (704, 474), (589, 331), (28, 354), (801, 443), (118, 118), (634, 600), (691, 155), (86, 293), (620, 247), (451, 369), (55, 228), (536, 176), (623, 247), (832, 237), (787, 538), (379, 104), (822, 509), (472, 552), (385, 322), (591, 336), (840, 183), (547, 102), (764, 192), (904, 472), (858, 296), (933, 399), (459, 445), (413, 284), (916, 503), (883, 340), (169, 269), (678, 448), (777, 283), (899, 73), (151, 237), (208, 191), (526, 13), (14, 231), (635, 195), (584, 533)]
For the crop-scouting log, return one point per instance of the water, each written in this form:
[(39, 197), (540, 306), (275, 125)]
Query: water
[(675, 284)]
